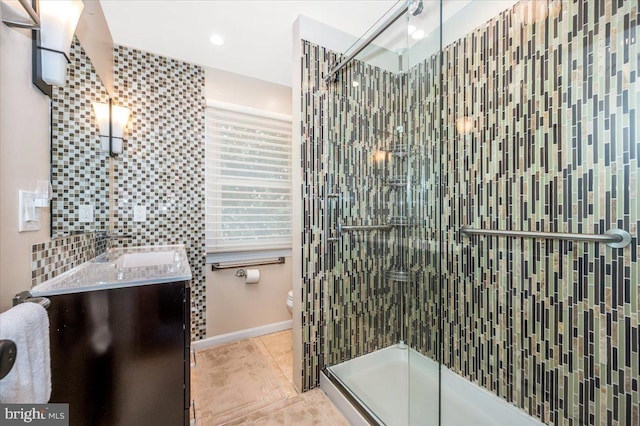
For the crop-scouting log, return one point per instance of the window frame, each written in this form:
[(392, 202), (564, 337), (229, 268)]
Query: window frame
[(216, 252)]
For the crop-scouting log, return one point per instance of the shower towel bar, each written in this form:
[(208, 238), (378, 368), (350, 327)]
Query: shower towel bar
[(616, 238)]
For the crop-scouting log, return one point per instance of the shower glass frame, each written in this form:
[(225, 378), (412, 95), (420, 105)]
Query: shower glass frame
[(376, 286), (531, 130)]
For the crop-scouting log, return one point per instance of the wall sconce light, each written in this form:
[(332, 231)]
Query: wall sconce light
[(112, 120), (52, 44), (20, 14)]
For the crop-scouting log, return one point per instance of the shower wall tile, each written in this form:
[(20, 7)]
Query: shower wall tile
[(348, 308), (79, 168), (162, 166), (550, 105), (423, 243), (550, 326)]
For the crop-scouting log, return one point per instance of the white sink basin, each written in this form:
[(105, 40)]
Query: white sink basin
[(138, 260)]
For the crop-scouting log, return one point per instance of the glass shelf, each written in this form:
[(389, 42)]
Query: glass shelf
[(396, 181), (399, 150), (399, 274), (401, 221)]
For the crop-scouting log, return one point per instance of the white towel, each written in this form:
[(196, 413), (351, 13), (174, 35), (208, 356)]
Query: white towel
[(29, 381)]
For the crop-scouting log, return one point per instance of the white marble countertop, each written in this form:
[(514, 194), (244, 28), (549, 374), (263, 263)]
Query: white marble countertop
[(121, 267)]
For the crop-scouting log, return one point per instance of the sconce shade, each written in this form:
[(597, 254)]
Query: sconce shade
[(58, 24), (119, 119), (102, 118)]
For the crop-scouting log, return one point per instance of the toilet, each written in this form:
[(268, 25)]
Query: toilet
[(290, 301)]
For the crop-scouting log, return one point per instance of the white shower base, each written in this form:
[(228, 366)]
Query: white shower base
[(384, 380)]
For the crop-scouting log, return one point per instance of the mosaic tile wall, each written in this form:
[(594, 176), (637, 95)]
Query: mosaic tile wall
[(50, 259), (79, 168), (162, 166), (344, 130), (550, 326), (363, 308), (421, 86)]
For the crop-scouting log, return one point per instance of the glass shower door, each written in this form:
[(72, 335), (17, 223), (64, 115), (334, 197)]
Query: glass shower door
[(381, 285), (496, 116), (363, 306), (539, 135), (423, 250)]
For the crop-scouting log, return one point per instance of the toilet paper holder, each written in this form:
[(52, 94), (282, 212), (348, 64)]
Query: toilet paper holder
[(251, 276)]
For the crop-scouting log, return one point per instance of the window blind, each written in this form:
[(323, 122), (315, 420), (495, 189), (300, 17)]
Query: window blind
[(248, 179)]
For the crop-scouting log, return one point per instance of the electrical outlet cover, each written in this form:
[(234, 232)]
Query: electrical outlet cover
[(85, 213), (139, 213)]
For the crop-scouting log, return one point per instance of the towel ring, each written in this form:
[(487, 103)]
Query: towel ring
[(8, 352)]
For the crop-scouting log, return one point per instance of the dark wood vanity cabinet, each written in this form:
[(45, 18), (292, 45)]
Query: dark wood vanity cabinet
[(121, 356)]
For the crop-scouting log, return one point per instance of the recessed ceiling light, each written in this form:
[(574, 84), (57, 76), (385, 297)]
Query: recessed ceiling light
[(418, 34), (216, 40), (355, 83), (411, 29)]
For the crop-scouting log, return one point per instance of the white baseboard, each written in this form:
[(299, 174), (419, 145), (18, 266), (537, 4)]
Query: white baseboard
[(241, 334)]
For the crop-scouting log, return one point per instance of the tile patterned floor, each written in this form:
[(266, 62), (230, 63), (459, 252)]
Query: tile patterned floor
[(289, 408), (280, 347)]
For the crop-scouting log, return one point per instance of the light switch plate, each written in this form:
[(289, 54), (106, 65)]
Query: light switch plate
[(25, 223), (85, 213), (139, 213)]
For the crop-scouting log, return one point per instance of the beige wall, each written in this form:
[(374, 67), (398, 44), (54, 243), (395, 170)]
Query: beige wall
[(231, 304), (95, 37), (246, 91), (24, 158)]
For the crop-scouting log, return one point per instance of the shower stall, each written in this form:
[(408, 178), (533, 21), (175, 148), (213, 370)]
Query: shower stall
[(470, 195)]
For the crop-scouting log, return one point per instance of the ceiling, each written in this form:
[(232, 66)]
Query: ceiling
[(258, 34)]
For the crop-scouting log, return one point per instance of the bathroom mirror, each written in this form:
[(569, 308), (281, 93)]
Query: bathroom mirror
[(79, 167)]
